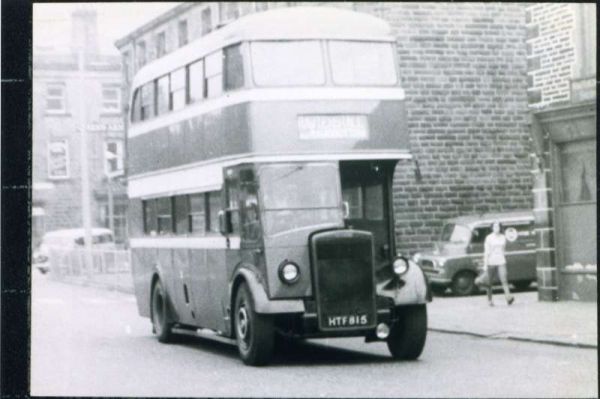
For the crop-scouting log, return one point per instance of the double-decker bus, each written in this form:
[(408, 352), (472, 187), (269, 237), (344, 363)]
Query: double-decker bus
[(260, 160)]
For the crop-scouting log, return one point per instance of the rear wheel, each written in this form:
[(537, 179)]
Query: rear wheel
[(407, 336), (463, 283), (254, 332), (159, 316)]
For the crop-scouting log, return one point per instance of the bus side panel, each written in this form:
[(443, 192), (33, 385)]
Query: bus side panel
[(182, 302), (218, 285), (215, 134), (143, 261), (199, 287)]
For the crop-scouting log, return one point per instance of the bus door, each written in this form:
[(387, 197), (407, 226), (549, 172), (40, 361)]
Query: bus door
[(366, 192)]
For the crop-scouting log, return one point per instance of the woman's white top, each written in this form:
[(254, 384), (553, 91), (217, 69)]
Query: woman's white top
[(494, 249)]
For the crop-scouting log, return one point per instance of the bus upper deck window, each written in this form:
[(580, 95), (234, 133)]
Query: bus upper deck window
[(177, 93), (196, 81), (213, 72), (233, 68), (136, 108), (147, 101), (362, 63), (162, 95), (287, 63)]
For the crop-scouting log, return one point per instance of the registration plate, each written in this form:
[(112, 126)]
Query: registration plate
[(347, 321)]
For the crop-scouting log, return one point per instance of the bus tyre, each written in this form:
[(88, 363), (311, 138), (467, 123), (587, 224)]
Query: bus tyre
[(159, 316), (254, 332), (407, 336), (463, 283)]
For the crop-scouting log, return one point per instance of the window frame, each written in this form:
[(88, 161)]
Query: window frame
[(202, 77), (117, 101), (120, 157), (161, 44), (186, 36), (217, 74), (67, 174), (62, 98)]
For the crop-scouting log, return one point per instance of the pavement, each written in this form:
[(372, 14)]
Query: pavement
[(567, 323), (570, 323)]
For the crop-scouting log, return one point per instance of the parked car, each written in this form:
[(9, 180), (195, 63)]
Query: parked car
[(458, 255), (69, 239)]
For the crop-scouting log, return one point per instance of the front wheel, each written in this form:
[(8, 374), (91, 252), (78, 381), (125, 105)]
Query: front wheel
[(254, 332), (407, 336), (463, 283), (159, 316)]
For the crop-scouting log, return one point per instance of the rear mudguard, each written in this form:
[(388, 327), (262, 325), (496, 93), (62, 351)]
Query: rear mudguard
[(262, 303), (408, 289)]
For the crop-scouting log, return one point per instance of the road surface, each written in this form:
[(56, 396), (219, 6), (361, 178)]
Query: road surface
[(87, 341)]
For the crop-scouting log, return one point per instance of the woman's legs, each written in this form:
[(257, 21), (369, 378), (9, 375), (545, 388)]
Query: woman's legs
[(491, 274), (504, 281)]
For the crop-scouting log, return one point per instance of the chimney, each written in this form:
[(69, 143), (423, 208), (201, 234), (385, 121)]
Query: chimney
[(84, 30)]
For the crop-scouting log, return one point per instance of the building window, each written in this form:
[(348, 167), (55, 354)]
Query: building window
[(206, 21), (113, 158), (228, 12), (234, 68), (162, 95), (56, 98), (578, 172), (196, 81), (182, 29), (213, 73), (178, 89), (161, 43), (141, 54), (58, 160), (111, 99)]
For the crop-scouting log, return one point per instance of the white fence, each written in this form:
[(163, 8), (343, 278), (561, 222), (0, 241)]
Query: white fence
[(71, 262)]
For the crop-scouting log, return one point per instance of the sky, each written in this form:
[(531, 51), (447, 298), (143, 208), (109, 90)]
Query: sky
[(52, 21)]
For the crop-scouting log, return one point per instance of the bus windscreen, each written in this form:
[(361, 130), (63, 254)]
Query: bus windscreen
[(288, 63), (296, 196), (362, 63)]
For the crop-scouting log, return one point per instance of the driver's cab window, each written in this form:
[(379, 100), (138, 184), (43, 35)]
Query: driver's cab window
[(251, 230), (479, 235), (232, 201)]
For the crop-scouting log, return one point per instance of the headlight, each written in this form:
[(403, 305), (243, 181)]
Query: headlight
[(400, 266), (441, 262), (289, 272)]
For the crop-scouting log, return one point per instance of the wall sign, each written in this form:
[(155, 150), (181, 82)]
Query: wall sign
[(58, 160)]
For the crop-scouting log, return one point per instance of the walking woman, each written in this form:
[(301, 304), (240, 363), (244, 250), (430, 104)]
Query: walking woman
[(494, 262)]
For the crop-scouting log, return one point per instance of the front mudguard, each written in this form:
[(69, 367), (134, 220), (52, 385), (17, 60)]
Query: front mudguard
[(408, 289), (262, 303)]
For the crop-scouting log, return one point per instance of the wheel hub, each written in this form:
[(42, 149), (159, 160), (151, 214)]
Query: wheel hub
[(242, 323)]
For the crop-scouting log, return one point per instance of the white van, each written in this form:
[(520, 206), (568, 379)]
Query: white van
[(69, 239)]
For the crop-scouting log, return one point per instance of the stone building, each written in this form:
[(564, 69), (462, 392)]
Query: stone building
[(464, 70), (561, 55), (60, 90)]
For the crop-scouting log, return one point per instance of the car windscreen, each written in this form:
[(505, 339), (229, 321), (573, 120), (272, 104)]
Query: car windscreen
[(456, 233)]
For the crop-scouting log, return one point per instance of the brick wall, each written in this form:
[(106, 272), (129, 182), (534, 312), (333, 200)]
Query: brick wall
[(463, 67), (550, 52)]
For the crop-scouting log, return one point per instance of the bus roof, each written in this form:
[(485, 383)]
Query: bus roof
[(293, 23)]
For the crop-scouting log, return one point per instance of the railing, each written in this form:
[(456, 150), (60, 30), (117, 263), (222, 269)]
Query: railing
[(72, 262)]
